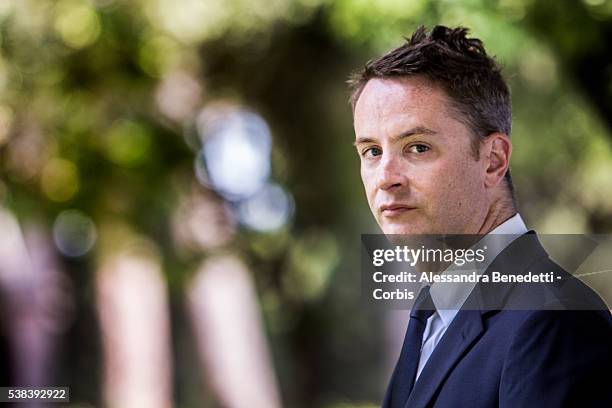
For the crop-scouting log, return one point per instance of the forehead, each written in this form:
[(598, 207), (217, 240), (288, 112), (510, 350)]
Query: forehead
[(387, 103)]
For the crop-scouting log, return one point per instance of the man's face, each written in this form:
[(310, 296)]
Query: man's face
[(417, 164)]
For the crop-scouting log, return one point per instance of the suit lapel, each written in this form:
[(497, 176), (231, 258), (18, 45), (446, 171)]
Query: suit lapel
[(463, 331), (467, 326)]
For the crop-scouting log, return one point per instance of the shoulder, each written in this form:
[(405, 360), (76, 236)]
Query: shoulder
[(592, 326), (566, 292), (561, 338), (558, 356)]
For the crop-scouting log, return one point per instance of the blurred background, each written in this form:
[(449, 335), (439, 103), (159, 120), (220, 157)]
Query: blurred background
[(180, 202)]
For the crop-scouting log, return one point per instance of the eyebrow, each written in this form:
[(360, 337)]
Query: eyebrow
[(419, 130)]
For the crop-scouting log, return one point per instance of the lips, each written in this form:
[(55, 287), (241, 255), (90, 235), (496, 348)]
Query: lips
[(392, 210)]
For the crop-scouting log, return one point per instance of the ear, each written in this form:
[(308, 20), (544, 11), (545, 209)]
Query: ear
[(496, 151)]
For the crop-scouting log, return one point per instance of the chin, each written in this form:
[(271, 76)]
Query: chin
[(404, 229)]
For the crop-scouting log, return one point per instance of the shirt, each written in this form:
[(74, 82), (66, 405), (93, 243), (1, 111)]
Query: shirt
[(448, 298)]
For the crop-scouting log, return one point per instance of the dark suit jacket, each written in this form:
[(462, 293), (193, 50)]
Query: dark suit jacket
[(495, 357)]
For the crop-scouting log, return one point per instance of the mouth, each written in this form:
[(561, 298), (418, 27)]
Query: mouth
[(394, 210)]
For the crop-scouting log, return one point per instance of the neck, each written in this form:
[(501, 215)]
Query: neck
[(499, 211)]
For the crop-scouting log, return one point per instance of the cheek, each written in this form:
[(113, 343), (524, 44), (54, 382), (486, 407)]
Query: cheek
[(449, 183), (368, 183), (463, 188)]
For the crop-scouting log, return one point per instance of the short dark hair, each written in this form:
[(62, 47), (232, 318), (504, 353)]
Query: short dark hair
[(477, 92)]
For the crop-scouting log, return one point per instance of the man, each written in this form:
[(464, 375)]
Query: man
[(432, 120)]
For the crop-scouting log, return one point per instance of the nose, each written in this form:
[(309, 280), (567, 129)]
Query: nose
[(390, 175)]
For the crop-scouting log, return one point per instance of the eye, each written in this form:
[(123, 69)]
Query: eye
[(371, 152), (418, 148)]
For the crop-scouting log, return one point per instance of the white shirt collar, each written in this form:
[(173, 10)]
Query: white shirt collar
[(513, 225), (448, 297)]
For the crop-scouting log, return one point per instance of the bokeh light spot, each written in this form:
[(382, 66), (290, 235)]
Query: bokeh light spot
[(60, 180), (74, 233), (157, 54), (77, 23), (6, 120), (312, 259), (267, 210), (127, 143), (236, 152)]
